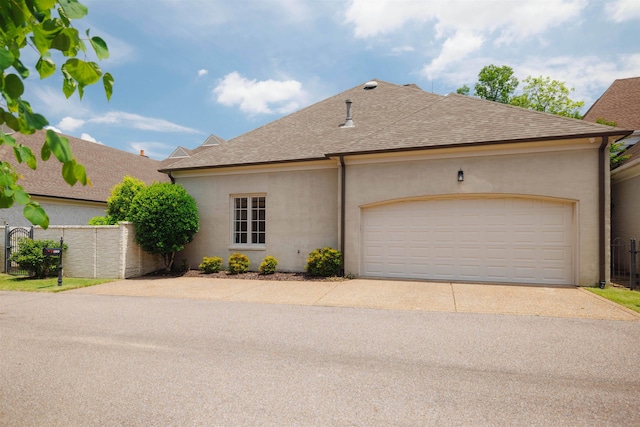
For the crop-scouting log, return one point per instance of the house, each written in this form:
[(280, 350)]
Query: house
[(620, 104), (67, 205), (411, 185)]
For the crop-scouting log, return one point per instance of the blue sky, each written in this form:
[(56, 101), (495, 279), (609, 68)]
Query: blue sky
[(185, 69)]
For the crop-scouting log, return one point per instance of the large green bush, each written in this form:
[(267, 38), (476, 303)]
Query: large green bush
[(238, 263), (211, 264), (166, 218), (268, 265), (325, 262), (122, 195), (29, 257)]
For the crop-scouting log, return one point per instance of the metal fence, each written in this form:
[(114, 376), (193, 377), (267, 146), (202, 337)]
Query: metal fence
[(12, 238), (625, 263)]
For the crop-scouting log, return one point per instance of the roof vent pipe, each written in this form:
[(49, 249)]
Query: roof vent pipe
[(349, 122)]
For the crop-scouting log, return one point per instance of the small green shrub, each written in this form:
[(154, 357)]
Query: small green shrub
[(211, 264), (268, 265), (29, 257), (238, 263), (325, 262), (102, 220)]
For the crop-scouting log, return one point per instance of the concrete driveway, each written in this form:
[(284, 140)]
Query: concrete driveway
[(567, 302)]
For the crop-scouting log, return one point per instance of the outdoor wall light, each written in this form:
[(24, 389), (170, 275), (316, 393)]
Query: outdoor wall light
[(460, 175)]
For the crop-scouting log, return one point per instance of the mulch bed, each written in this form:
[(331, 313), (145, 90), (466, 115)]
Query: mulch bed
[(251, 275)]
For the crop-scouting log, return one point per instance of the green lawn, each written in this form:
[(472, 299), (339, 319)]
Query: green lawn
[(23, 283), (622, 296)]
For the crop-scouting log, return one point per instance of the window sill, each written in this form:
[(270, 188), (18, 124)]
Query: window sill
[(248, 247)]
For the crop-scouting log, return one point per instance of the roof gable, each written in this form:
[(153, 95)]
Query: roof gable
[(620, 103)]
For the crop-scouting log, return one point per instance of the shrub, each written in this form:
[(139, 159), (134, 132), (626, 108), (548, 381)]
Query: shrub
[(211, 264), (238, 263), (268, 265), (102, 220), (29, 257), (324, 262)]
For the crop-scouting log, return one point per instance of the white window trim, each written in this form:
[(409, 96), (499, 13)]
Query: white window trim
[(232, 222)]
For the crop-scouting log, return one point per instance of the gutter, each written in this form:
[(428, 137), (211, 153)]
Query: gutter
[(602, 210), (343, 192), (173, 180)]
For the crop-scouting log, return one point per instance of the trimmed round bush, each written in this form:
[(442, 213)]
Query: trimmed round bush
[(211, 264), (268, 265), (238, 263), (325, 262)]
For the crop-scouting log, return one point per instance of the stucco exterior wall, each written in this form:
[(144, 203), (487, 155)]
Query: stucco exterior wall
[(568, 174), (301, 213), (60, 213), (625, 211)]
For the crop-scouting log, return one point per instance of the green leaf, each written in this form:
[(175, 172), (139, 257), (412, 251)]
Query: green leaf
[(68, 87), (45, 67), (5, 200), (7, 139), (25, 155), (21, 196), (33, 121), (6, 59), (81, 174), (45, 33), (11, 120), (107, 81), (45, 152), (59, 146), (69, 172), (73, 9), (100, 47), (36, 215), (13, 86), (85, 73), (20, 68)]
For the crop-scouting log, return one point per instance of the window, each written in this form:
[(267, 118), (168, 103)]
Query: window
[(249, 220)]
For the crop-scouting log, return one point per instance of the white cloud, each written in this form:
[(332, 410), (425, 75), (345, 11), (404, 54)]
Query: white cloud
[(89, 138), (454, 50), (69, 124), (202, 72), (52, 102), (53, 128), (399, 50), (260, 97), (135, 121), (623, 10)]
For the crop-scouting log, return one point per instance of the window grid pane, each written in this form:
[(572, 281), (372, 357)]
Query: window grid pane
[(256, 215)]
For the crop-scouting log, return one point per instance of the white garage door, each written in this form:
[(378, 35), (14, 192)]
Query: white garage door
[(509, 240)]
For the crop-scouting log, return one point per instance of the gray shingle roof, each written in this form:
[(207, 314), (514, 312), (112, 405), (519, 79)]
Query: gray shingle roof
[(620, 103), (389, 117), (105, 167)]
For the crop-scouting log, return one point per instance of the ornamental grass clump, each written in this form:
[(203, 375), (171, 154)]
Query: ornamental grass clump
[(325, 262), (268, 265), (238, 263)]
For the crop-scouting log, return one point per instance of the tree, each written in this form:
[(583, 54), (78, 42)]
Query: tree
[(119, 203), (617, 149), (464, 90), (44, 26), (166, 218), (496, 83), (549, 96)]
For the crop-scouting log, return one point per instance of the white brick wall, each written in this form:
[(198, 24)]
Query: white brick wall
[(99, 251)]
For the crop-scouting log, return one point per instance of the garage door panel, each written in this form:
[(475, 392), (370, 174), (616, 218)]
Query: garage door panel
[(479, 239)]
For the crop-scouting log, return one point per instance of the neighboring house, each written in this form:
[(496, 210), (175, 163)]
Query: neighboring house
[(620, 103), (67, 205), (411, 185)]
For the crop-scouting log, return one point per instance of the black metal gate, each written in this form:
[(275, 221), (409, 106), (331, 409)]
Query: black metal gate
[(11, 239), (625, 263)]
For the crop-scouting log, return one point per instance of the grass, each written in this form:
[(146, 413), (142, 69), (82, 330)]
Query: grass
[(26, 284), (622, 296)]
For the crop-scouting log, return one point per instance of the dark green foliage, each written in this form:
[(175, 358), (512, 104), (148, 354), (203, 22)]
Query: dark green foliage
[(101, 220), (268, 265), (29, 257), (238, 263), (211, 264), (122, 194), (166, 218), (325, 262)]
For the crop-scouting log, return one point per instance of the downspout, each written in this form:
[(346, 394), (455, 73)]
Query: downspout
[(343, 192), (603, 210), (173, 180)]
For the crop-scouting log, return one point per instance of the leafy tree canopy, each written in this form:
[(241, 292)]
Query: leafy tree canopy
[(549, 96), (496, 83), (44, 26), (166, 218), (122, 194)]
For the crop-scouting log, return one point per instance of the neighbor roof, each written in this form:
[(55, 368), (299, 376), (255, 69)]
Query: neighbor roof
[(388, 118), (620, 103), (105, 168)]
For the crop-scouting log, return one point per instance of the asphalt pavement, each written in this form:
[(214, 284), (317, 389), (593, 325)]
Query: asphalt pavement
[(570, 302)]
